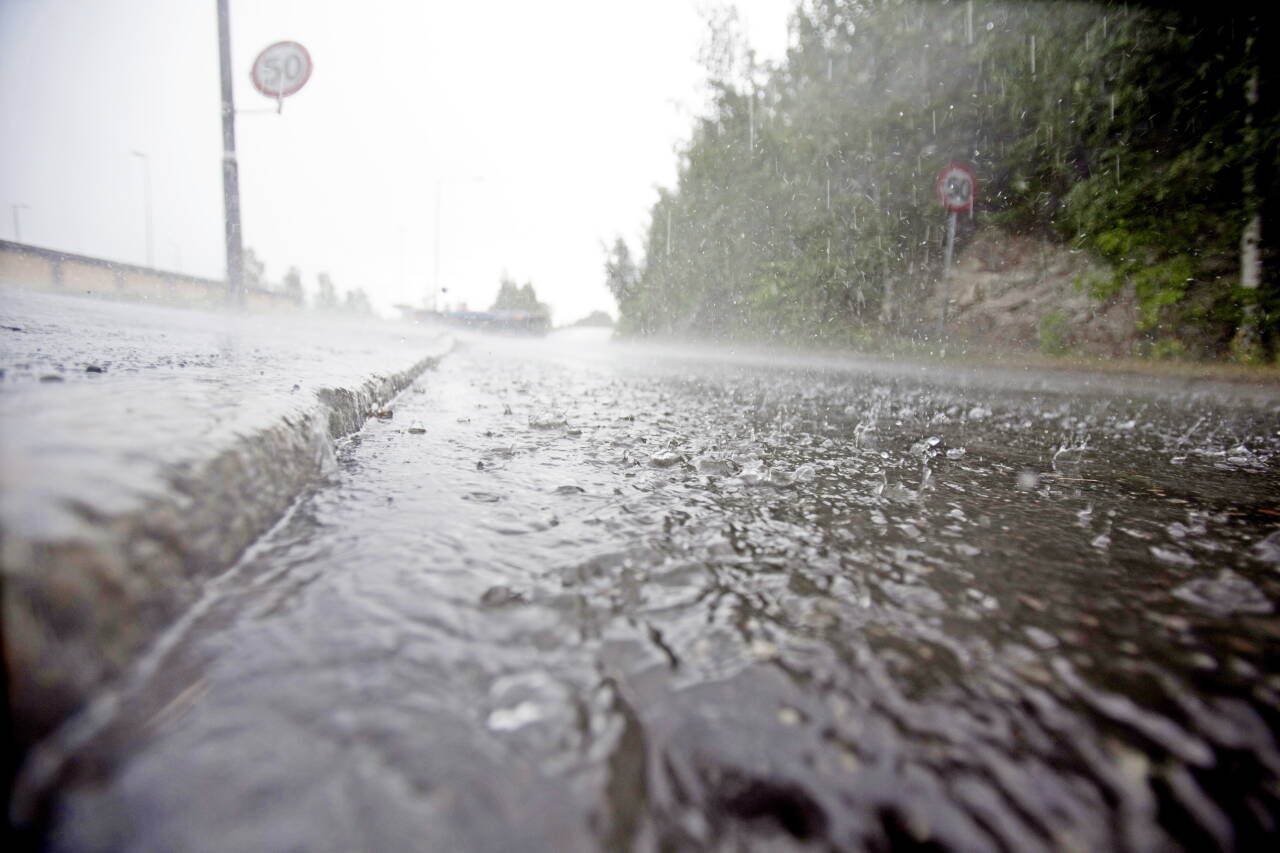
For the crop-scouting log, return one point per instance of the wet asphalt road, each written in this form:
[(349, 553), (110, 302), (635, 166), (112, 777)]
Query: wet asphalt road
[(598, 598)]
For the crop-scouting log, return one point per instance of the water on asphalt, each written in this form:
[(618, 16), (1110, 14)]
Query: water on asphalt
[(601, 599)]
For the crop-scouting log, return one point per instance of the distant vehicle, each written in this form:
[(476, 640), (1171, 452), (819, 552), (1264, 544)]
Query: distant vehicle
[(502, 322)]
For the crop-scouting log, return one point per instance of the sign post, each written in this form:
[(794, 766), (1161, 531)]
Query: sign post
[(279, 71), (957, 188), (230, 169)]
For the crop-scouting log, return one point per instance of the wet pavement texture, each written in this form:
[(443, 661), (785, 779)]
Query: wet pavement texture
[(100, 401), (602, 600), (142, 448)]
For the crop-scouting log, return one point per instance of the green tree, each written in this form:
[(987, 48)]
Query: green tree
[(513, 297), (254, 270), (620, 273), (357, 302), (293, 285), (596, 318), (326, 293), (804, 206)]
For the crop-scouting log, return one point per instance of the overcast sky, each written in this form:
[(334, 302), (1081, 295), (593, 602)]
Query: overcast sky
[(546, 128)]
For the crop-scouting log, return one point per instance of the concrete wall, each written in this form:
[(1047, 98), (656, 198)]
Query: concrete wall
[(36, 268), (17, 266)]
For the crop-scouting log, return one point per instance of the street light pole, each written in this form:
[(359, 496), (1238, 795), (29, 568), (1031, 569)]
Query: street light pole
[(230, 168), (146, 191), (435, 253), (17, 231), (435, 279)]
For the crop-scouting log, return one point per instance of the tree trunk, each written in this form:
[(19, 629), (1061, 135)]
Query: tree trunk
[(1248, 345)]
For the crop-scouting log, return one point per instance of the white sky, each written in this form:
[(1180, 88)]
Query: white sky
[(568, 113)]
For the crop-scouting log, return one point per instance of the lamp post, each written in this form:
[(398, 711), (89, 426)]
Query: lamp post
[(435, 278), (146, 190), (230, 167), (435, 252), (17, 230)]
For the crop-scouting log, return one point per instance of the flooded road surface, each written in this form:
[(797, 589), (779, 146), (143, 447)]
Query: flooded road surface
[(612, 601)]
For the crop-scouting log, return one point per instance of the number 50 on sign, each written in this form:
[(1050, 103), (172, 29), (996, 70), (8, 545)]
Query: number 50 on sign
[(281, 69)]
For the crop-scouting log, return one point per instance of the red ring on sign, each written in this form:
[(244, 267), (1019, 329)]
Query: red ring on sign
[(283, 93), (946, 172)]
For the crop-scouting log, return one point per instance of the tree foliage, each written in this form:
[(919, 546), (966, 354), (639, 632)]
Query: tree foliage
[(620, 273), (326, 293), (357, 302), (513, 297), (805, 207), (293, 285), (600, 319)]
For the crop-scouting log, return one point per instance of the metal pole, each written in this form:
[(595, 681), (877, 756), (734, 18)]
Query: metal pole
[(230, 168), (946, 270), (17, 231), (146, 195), (435, 254), (402, 239), (146, 191), (435, 286)]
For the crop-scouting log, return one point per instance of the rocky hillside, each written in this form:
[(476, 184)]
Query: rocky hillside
[(1021, 292)]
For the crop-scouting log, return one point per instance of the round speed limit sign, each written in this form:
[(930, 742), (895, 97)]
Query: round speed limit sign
[(282, 69), (957, 187)]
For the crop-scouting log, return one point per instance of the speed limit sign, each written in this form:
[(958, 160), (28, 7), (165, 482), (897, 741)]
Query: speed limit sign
[(281, 69), (957, 187)]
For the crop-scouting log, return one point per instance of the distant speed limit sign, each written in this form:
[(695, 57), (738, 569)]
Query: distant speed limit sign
[(957, 187), (281, 69)]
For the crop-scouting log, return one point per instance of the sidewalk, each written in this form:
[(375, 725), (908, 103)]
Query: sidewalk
[(142, 449)]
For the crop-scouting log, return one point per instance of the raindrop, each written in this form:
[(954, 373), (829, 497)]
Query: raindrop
[(763, 650), (665, 458), (1224, 595), (1173, 556), (1268, 550), (547, 420), (1041, 638), (779, 477), (500, 596), (716, 465), (510, 719)]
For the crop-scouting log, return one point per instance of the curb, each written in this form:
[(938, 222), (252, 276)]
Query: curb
[(77, 612)]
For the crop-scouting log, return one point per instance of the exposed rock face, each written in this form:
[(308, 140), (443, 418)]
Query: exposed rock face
[(1009, 290)]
